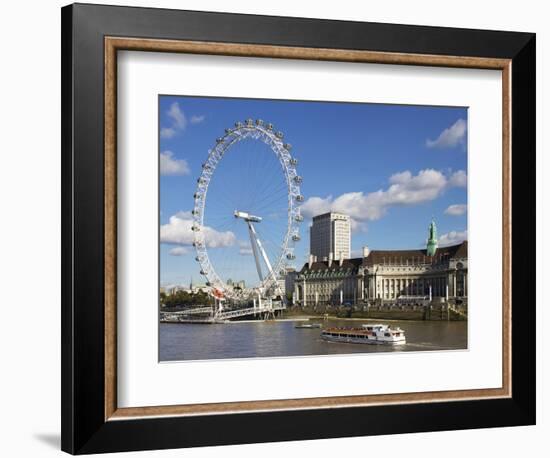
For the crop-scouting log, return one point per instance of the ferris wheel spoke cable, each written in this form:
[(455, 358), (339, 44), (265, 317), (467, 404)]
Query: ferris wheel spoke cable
[(269, 203), (266, 189), (259, 175), (223, 201), (247, 177), (264, 193), (255, 165), (219, 220), (267, 184), (279, 193), (272, 179)]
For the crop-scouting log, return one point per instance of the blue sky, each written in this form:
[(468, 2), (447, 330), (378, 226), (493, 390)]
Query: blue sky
[(391, 167)]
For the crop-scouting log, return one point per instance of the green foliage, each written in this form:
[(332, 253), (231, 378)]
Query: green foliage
[(289, 298), (183, 299)]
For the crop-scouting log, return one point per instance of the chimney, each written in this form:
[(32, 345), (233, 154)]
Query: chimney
[(310, 262), (366, 251), (330, 256), (340, 260)]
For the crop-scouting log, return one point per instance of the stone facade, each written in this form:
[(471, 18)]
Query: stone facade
[(412, 275), (328, 282), (387, 276)]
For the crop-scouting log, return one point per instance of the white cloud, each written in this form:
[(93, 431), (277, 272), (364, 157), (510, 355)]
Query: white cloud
[(245, 249), (458, 179), (169, 165), (316, 206), (456, 209), (196, 119), (358, 226), (450, 137), (452, 238), (405, 189), (178, 121), (178, 231), (167, 132), (177, 116), (178, 251)]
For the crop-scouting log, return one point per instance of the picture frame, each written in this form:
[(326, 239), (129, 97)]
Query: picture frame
[(92, 35)]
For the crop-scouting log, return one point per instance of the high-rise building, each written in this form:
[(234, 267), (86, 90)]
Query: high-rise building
[(330, 236)]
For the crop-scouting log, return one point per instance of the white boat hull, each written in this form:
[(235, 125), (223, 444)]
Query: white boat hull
[(364, 341)]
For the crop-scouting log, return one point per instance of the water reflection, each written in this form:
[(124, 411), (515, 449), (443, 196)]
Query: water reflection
[(281, 338)]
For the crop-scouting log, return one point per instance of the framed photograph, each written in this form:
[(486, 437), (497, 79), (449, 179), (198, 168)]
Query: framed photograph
[(281, 228)]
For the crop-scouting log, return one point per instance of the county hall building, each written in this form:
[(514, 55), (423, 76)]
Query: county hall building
[(387, 276)]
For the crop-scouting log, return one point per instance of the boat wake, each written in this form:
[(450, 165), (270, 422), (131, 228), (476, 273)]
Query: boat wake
[(430, 346)]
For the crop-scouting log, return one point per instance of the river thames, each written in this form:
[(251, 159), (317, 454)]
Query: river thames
[(254, 339)]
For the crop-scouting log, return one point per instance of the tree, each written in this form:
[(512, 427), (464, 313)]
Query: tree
[(289, 297), (187, 299)]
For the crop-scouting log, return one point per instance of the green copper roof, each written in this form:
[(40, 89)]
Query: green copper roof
[(431, 246)]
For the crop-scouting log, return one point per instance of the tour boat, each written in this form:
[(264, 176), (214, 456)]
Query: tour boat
[(379, 334)]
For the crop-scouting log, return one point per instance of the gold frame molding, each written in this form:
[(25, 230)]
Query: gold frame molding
[(114, 44)]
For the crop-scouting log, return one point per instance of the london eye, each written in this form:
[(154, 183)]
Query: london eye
[(246, 213)]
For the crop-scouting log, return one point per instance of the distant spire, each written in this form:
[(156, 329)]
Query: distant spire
[(431, 246)]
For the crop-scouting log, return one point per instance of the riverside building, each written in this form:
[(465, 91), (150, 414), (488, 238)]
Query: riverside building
[(381, 277), (330, 237)]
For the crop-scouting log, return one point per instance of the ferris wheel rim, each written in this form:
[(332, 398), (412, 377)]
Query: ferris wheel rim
[(256, 130)]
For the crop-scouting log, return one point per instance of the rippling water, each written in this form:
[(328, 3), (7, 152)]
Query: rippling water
[(181, 341)]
